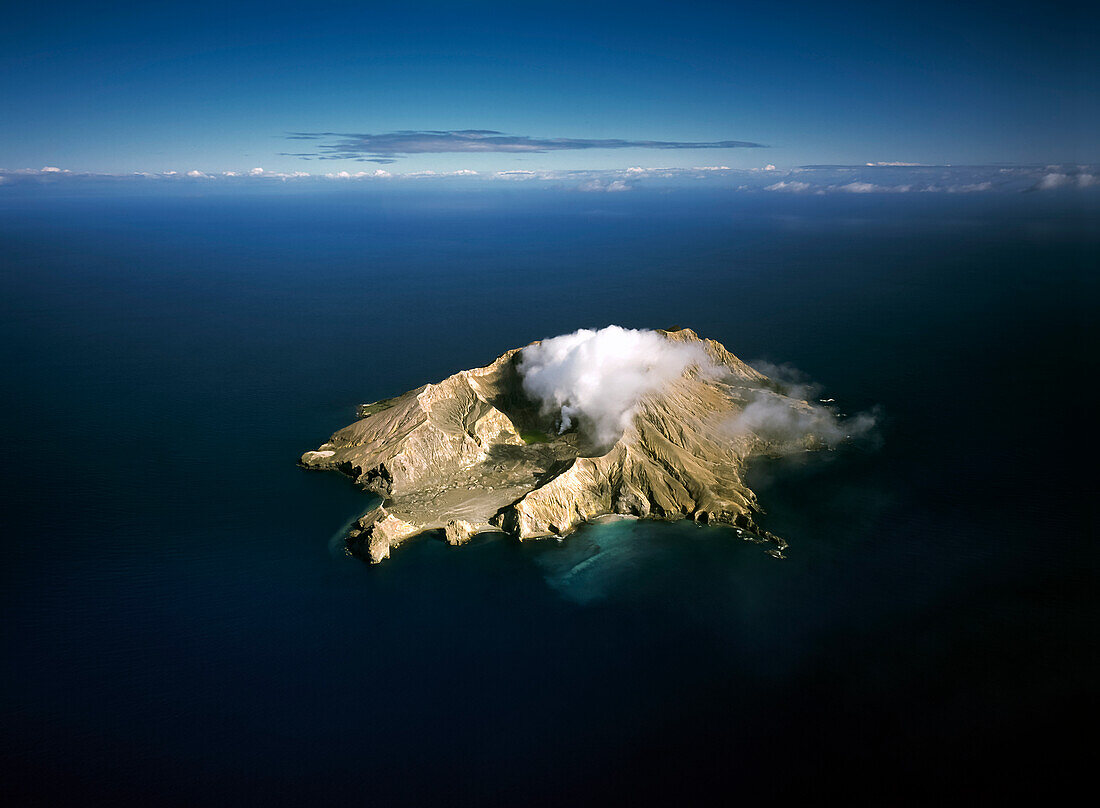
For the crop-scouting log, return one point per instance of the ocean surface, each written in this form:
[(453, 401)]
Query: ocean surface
[(180, 626)]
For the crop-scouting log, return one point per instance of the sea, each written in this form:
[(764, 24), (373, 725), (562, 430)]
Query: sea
[(180, 625)]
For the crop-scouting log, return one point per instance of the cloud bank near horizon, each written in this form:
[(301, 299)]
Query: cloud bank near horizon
[(768, 180), (389, 146)]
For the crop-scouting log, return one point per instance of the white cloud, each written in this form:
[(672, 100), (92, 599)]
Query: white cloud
[(791, 187), (609, 187), (970, 188), (860, 188), (1066, 178), (595, 379), (663, 171), (519, 175), (359, 175), (787, 424), (1054, 180), (872, 188), (803, 179)]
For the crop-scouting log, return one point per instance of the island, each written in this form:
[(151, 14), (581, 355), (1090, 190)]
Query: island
[(489, 450)]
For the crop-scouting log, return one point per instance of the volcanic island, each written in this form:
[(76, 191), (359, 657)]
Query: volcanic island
[(488, 450)]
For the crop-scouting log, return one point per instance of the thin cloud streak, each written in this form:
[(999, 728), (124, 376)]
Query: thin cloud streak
[(391, 145)]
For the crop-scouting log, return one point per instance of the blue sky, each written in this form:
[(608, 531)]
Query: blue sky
[(218, 87)]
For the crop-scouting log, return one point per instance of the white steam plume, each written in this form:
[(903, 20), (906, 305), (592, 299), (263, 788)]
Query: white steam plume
[(787, 421), (788, 425), (594, 379)]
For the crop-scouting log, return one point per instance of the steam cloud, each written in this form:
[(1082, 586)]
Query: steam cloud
[(595, 379), (787, 425), (786, 420)]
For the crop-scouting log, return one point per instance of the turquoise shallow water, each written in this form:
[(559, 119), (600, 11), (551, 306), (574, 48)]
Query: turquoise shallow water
[(180, 628)]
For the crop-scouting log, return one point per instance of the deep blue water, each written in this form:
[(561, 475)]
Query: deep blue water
[(178, 628)]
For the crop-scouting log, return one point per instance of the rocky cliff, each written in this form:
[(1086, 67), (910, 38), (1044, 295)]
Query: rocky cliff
[(475, 453)]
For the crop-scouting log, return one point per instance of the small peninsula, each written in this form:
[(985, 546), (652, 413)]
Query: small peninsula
[(646, 424)]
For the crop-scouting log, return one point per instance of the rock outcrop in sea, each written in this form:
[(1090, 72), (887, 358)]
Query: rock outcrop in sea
[(475, 453)]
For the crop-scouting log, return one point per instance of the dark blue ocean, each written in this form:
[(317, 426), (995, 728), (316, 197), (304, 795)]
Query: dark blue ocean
[(180, 626)]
